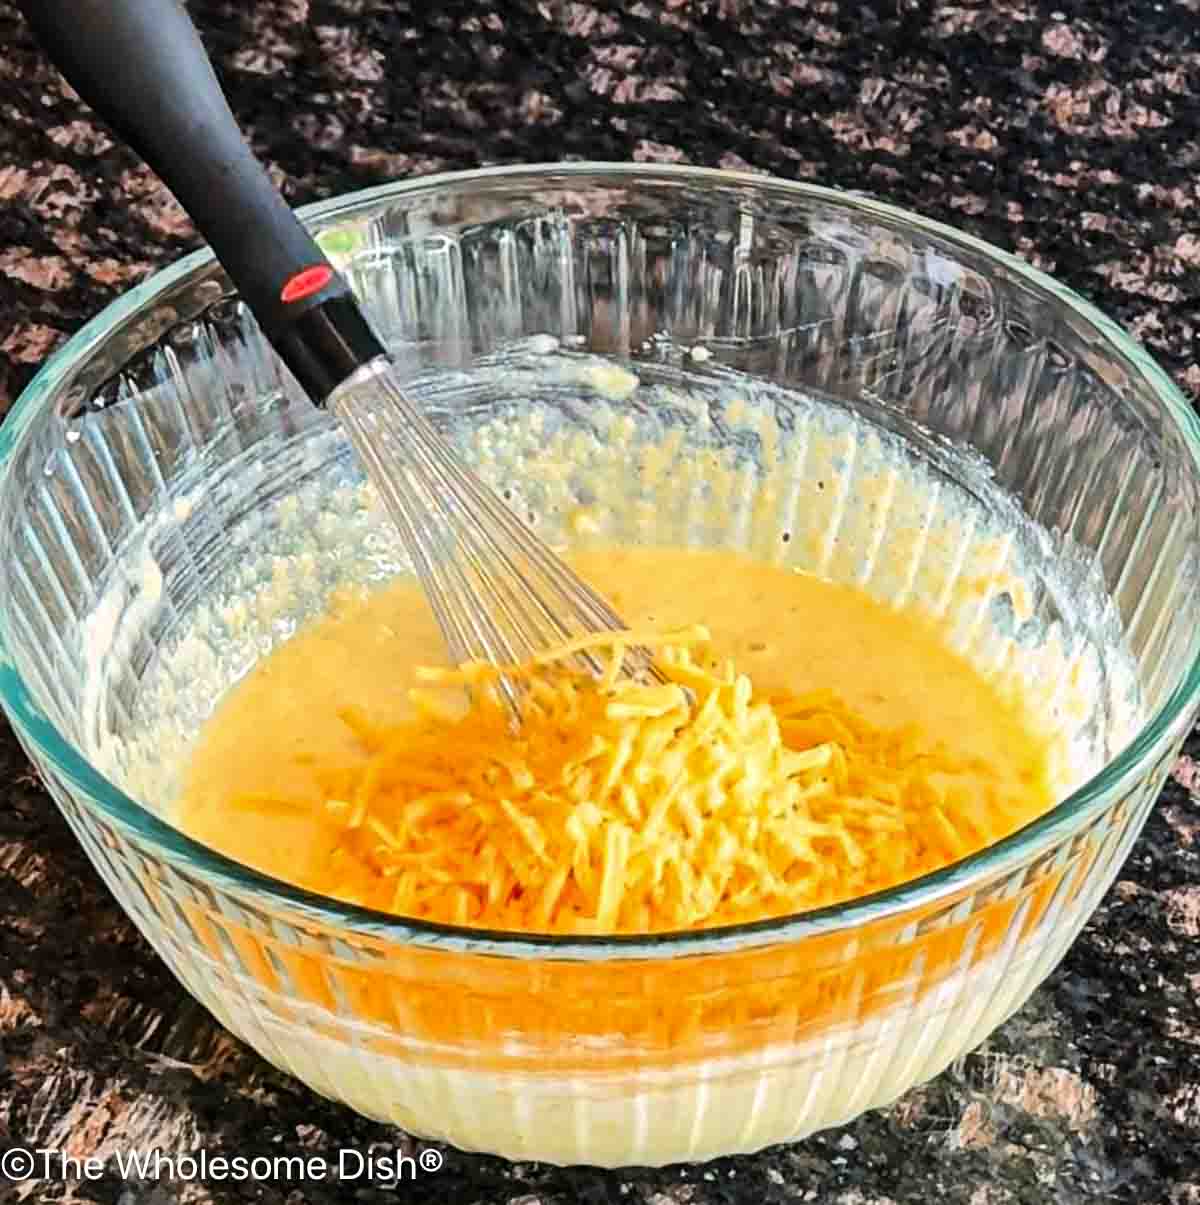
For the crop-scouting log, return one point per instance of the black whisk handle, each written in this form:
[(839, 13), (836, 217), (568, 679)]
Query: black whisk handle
[(140, 64)]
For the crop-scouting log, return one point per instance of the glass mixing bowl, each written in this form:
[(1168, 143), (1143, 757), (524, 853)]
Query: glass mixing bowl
[(171, 510)]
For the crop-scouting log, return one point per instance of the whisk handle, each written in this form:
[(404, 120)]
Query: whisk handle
[(141, 66)]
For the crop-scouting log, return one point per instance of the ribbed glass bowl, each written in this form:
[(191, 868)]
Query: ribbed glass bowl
[(171, 510)]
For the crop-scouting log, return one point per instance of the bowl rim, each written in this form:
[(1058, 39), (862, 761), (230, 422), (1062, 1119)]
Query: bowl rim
[(184, 854)]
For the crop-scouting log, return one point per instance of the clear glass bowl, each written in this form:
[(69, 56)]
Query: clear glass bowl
[(160, 469)]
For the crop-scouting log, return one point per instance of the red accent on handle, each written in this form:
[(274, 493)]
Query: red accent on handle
[(306, 282)]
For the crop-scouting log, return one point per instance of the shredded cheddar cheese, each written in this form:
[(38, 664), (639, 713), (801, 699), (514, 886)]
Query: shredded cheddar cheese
[(625, 807)]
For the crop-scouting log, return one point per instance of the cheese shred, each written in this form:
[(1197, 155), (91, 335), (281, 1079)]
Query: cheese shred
[(626, 807)]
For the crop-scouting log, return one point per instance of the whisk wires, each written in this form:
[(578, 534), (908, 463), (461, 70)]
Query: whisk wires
[(498, 593)]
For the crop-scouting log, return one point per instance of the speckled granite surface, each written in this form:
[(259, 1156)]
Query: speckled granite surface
[(1069, 132)]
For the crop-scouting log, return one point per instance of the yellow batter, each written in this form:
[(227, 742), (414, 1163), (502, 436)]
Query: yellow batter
[(785, 630)]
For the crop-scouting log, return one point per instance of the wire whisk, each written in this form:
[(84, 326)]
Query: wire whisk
[(499, 594)]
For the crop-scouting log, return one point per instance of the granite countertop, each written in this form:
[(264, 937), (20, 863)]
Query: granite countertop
[(1067, 131)]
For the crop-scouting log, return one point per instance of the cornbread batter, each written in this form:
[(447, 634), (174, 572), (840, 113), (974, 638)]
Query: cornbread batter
[(624, 1052), (281, 730)]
